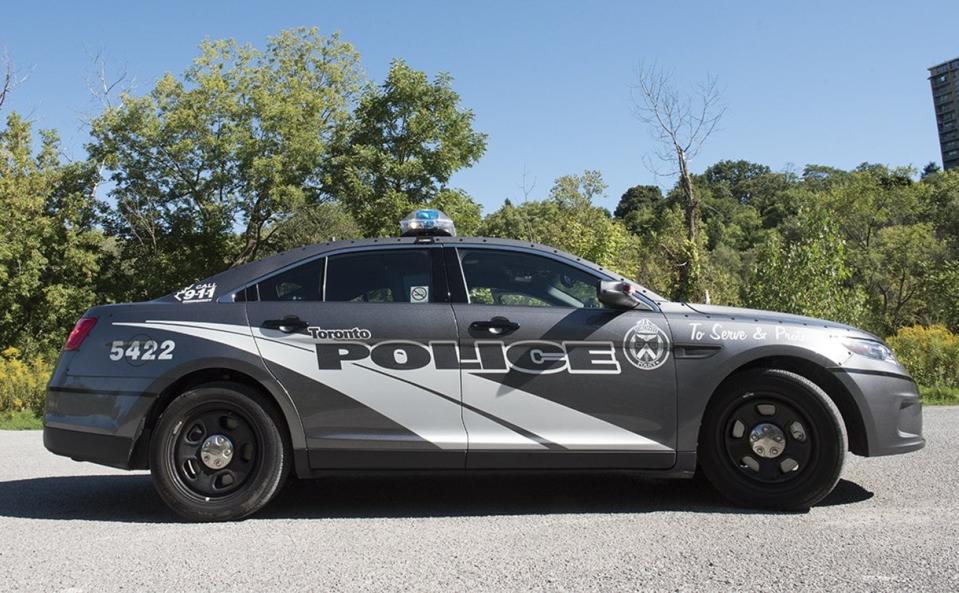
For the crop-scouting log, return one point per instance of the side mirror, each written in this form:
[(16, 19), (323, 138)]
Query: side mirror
[(616, 295)]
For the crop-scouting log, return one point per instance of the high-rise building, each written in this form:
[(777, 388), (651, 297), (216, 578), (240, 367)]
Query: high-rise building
[(944, 79)]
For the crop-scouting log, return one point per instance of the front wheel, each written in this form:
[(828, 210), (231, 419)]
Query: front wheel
[(771, 438), (217, 453)]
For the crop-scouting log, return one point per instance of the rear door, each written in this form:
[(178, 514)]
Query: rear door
[(550, 377), (349, 337)]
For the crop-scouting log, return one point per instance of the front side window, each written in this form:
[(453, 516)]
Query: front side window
[(513, 278), (387, 276)]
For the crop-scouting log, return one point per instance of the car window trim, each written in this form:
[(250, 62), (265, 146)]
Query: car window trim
[(229, 297)]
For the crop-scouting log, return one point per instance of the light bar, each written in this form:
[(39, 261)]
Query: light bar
[(427, 222)]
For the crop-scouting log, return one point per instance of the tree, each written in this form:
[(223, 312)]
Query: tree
[(568, 220), (465, 213), (735, 178), (930, 170), (681, 125), (9, 76), (408, 137), (238, 144), (806, 275), (314, 223), (51, 250), (638, 207), (904, 258)]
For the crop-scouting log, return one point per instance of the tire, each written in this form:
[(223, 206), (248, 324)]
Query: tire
[(749, 441), (205, 479)]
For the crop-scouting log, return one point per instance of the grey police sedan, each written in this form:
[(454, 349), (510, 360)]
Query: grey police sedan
[(432, 351)]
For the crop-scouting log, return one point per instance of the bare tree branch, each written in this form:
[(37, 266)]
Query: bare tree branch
[(527, 189), (680, 124), (11, 78), (101, 85)]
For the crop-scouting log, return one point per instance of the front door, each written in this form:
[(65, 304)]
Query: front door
[(550, 377), (349, 337)]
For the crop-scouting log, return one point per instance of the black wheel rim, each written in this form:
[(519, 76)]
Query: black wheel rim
[(769, 440), (232, 452)]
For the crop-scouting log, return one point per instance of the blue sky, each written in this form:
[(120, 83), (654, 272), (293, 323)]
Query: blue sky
[(835, 83)]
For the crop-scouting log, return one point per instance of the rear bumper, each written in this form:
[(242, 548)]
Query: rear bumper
[(891, 410), (97, 419), (86, 446)]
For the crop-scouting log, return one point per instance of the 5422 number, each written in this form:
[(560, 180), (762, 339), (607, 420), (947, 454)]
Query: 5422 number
[(148, 350)]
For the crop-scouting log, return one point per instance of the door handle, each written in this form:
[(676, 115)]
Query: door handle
[(288, 324), (496, 326)]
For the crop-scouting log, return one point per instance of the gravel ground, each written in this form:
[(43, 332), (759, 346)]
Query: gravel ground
[(891, 525)]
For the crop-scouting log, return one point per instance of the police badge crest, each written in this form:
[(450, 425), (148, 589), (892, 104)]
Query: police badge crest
[(646, 345)]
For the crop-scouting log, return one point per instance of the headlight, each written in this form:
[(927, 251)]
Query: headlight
[(869, 349)]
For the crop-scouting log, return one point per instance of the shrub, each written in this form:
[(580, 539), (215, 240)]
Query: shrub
[(23, 382), (931, 353)]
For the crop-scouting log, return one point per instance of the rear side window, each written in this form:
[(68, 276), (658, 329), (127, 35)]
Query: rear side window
[(302, 283), (390, 276), (512, 278)]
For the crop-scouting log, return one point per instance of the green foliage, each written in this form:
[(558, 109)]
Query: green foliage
[(639, 207), (567, 220), (805, 276), (931, 354), (939, 396), (408, 137), (238, 142), (735, 180), (313, 223), (465, 213), (22, 420), (23, 382), (51, 252)]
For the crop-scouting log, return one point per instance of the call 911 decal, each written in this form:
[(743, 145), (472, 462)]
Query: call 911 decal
[(196, 293)]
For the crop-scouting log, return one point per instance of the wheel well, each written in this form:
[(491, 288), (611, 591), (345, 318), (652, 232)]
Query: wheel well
[(140, 456), (837, 392)]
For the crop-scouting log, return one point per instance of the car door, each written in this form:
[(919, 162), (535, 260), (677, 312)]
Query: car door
[(550, 377), (348, 336)]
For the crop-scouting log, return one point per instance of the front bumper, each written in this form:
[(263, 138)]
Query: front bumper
[(97, 419), (891, 410)]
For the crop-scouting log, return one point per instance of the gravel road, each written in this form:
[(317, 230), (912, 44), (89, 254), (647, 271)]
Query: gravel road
[(892, 524)]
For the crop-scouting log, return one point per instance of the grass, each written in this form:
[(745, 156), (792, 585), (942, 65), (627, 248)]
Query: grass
[(939, 396), (22, 420)]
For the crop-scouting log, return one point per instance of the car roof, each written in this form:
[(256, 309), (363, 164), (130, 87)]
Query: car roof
[(239, 276)]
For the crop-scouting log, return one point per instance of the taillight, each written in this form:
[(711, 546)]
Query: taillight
[(80, 332)]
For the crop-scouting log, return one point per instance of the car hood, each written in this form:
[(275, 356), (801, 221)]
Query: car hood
[(759, 315)]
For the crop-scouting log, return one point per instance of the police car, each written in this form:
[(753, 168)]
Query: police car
[(432, 351)]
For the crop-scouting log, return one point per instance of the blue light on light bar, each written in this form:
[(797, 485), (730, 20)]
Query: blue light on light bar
[(427, 222)]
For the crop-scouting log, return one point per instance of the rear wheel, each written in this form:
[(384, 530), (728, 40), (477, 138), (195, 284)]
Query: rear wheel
[(217, 453), (774, 439)]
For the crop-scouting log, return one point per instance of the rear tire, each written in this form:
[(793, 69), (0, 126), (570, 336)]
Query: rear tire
[(218, 453), (773, 439)]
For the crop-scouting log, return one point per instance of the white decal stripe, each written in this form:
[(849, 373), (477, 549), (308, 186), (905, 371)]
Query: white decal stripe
[(428, 415), (552, 421), (228, 338), (485, 434), (433, 418), (243, 330)]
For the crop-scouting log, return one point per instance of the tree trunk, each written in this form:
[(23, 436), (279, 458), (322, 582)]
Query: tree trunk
[(686, 273)]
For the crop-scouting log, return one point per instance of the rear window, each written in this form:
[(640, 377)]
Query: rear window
[(389, 276)]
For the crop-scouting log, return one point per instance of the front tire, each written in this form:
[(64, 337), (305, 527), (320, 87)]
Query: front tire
[(772, 438), (218, 453)]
